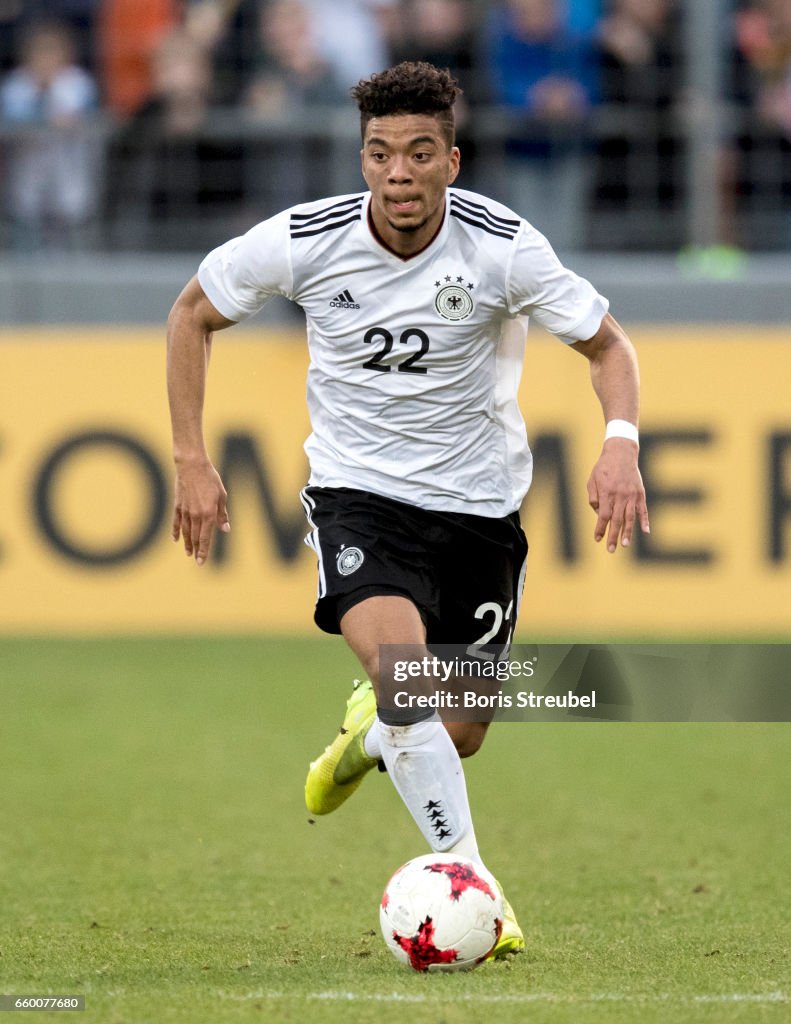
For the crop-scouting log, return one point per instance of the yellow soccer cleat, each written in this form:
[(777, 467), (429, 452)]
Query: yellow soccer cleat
[(511, 939), (333, 777)]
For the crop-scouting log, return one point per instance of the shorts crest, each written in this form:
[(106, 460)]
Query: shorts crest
[(349, 560)]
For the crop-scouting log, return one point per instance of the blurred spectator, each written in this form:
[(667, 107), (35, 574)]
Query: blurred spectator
[(290, 70), (181, 74), (11, 13), (583, 16), (763, 37), (292, 77), (168, 176), (758, 161), (52, 163), (350, 37), (80, 17), (77, 15), (640, 158), (354, 36), (207, 20), (228, 29), (547, 74), (640, 56), (443, 32), (128, 31)]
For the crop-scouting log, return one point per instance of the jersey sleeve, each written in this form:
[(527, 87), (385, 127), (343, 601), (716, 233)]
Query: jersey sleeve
[(241, 275), (540, 286)]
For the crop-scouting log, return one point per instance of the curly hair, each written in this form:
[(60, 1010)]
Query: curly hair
[(412, 87)]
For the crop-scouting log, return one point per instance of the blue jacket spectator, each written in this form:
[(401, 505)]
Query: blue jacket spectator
[(540, 67), (547, 75)]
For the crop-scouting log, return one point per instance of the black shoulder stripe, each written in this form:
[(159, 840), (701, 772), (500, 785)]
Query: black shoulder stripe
[(477, 210), (298, 230), (505, 233), (332, 215), (339, 207)]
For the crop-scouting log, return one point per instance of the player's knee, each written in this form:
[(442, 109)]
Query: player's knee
[(467, 737), (369, 659)]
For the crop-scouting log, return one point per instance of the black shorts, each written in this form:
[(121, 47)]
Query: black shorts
[(464, 573)]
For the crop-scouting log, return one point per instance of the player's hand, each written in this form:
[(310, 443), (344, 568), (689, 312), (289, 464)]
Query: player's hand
[(616, 493), (199, 508)]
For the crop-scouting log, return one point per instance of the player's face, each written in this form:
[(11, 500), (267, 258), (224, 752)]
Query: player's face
[(407, 165)]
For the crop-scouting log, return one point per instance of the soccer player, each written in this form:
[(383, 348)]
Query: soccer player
[(416, 297)]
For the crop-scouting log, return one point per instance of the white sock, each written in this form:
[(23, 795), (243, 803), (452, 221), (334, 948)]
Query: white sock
[(425, 768), (373, 747), (467, 846)]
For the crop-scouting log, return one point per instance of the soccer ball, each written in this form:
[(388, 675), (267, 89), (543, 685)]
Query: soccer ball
[(440, 912)]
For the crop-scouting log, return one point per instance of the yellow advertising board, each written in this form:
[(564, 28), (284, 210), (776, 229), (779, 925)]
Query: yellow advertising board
[(85, 479)]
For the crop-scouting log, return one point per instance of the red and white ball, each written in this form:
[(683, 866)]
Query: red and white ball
[(440, 912)]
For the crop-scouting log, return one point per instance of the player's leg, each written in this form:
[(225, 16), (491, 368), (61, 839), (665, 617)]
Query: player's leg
[(338, 772), (467, 736), (367, 546), (381, 619), (419, 754), (421, 758), (390, 617), (481, 593), (372, 558)]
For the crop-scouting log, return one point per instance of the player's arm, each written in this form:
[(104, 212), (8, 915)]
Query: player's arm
[(200, 497), (615, 487)]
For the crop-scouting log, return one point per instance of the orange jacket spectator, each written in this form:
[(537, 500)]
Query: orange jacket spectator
[(128, 31)]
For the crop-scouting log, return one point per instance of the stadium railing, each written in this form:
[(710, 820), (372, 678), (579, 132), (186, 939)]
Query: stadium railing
[(187, 194)]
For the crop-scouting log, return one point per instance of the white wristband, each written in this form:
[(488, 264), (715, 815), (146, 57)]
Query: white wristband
[(621, 428)]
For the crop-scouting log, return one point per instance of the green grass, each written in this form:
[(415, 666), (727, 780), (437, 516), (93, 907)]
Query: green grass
[(155, 854)]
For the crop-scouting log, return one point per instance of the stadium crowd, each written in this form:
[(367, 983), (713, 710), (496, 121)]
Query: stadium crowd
[(139, 124)]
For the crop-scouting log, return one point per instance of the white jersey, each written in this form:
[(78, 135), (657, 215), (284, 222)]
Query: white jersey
[(415, 363)]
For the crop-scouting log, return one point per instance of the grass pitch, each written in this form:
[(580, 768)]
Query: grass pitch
[(155, 854)]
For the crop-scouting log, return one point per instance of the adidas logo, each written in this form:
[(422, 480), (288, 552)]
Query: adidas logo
[(344, 301)]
